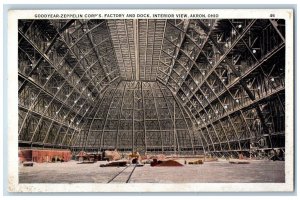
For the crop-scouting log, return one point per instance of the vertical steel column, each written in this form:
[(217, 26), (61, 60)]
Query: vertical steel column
[(119, 117), (133, 121), (174, 126), (161, 136), (144, 118), (136, 48), (112, 97)]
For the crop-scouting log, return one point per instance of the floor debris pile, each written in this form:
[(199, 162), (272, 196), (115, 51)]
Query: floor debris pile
[(165, 163), (86, 158), (120, 163), (112, 155), (197, 162), (28, 164)]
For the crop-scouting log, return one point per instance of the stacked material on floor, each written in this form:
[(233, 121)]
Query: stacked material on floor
[(86, 158), (147, 159), (28, 164), (135, 158), (112, 155), (134, 155), (165, 163), (42, 155), (82, 155), (196, 162), (238, 161), (120, 163), (25, 155), (158, 157)]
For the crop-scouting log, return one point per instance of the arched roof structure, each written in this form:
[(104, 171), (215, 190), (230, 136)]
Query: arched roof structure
[(102, 84)]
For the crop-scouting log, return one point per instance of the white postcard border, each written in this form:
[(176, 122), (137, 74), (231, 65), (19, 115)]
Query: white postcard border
[(12, 80)]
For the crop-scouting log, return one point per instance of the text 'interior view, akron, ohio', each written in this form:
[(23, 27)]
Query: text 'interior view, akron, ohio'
[(151, 101)]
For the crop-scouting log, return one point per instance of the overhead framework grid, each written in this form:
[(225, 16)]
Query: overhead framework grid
[(189, 86)]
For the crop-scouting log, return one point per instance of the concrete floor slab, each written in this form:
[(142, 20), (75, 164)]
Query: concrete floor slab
[(209, 172)]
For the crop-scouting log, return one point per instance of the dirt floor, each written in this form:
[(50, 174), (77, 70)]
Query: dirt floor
[(210, 172)]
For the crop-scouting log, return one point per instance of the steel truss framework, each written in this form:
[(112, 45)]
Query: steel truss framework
[(105, 84)]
